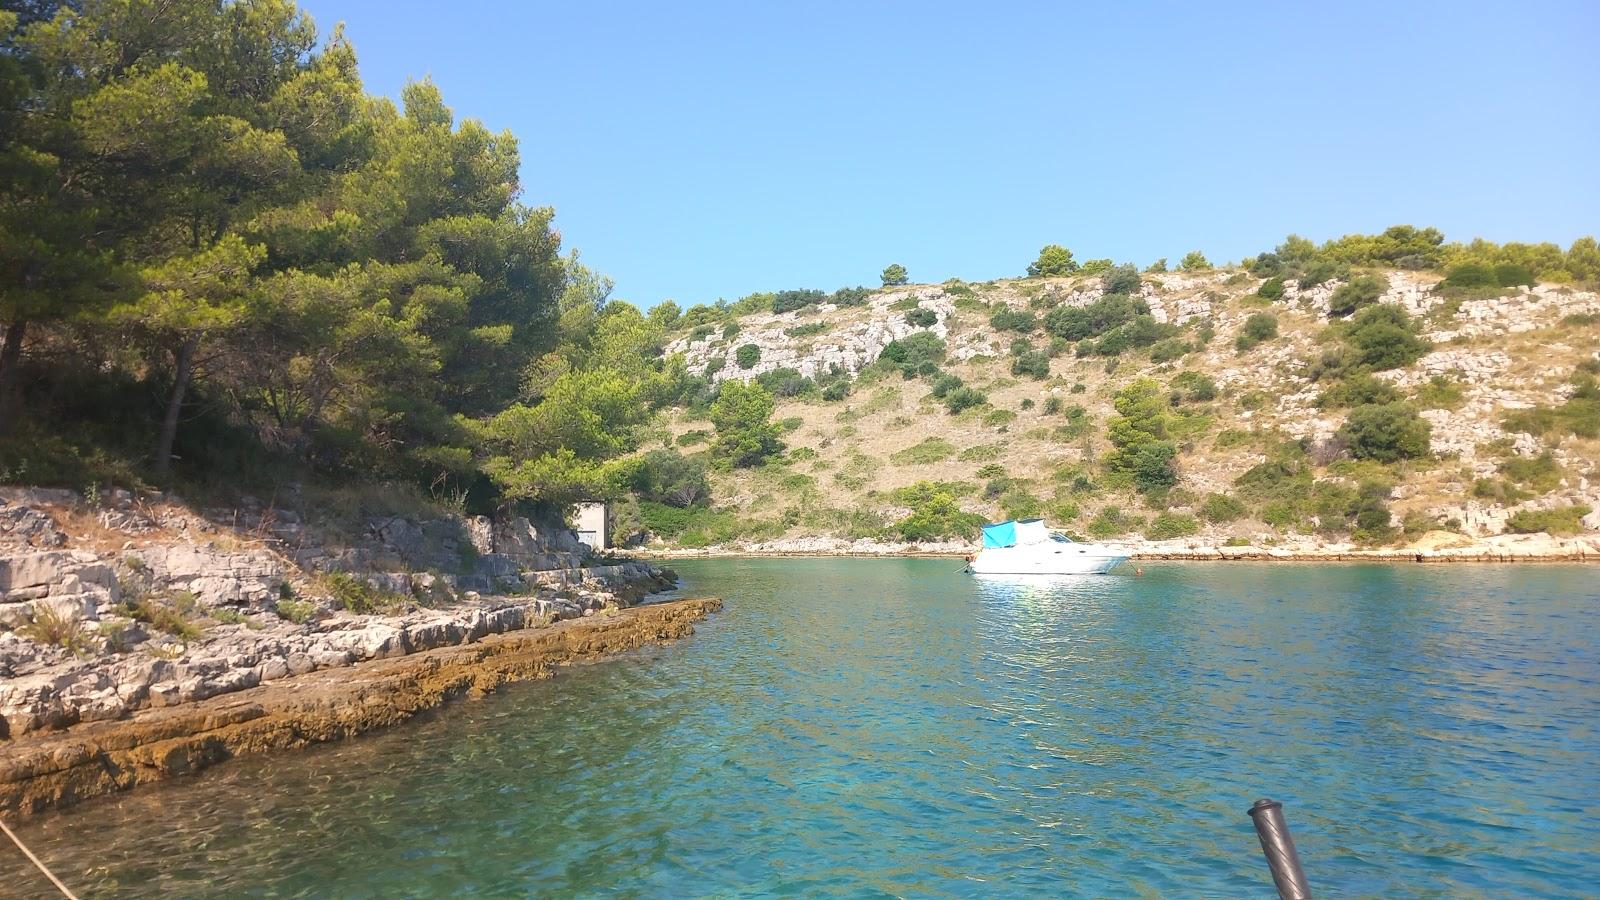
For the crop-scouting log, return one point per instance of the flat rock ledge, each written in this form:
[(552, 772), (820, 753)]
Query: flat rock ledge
[(49, 770)]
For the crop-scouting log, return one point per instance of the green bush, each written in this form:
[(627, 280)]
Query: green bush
[(1579, 415), (1541, 473), (1356, 294), (1032, 363), (894, 274), (714, 365), (1382, 337), (1271, 289), (1193, 387), (935, 515), (1167, 526), (1019, 320), (1440, 392), (1111, 522), (1562, 521), (1074, 323), (785, 382), (747, 355), (1123, 279), (1360, 389), (1221, 508), (991, 470), (998, 417), (836, 391), (1052, 405), (1321, 272), (914, 354), (964, 398), (921, 318), (1386, 432), (930, 450), (1259, 327), (693, 437), (1194, 261), (806, 330), (789, 301), (850, 296)]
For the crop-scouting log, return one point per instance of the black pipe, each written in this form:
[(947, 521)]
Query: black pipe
[(1273, 830)]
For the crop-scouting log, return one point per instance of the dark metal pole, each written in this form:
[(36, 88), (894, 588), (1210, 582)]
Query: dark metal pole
[(1273, 830)]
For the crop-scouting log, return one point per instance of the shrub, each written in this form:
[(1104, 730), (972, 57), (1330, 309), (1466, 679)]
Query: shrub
[(1007, 319), (921, 318), (1513, 275), (1123, 279), (980, 453), (1054, 259), (747, 355), (1360, 389), (667, 476), (358, 595), (930, 450), (1261, 326), (1027, 403), (1386, 432), (1158, 266), (1052, 405), (1561, 521), (1540, 473), (944, 383), (964, 398), (998, 417), (806, 330), (991, 470), (894, 274), (836, 391), (1075, 323), (935, 514), (914, 354), (297, 611), (1383, 337), (850, 296), (1167, 526), (1271, 289), (789, 301), (1110, 522), (1221, 508), (1579, 415), (1475, 275), (693, 436), (713, 366), (729, 330), (1193, 387), (1440, 392), (174, 613), (1357, 293), (1169, 350), (1323, 271), (1032, 363), (45, 625), (1194, 261)]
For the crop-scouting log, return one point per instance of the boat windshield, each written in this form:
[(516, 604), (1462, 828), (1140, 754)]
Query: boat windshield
[(1060, 538)]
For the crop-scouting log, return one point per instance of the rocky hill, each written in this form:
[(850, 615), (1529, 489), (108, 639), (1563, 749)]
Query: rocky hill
[(1251, 390)]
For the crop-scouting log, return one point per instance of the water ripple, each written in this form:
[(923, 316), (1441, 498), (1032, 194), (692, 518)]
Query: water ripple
[(891, 728)]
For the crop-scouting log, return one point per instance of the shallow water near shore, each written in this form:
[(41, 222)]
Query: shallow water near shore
[(893, 727)]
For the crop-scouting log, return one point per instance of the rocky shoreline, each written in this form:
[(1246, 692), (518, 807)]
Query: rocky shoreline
[(142, 637), (54, 769)]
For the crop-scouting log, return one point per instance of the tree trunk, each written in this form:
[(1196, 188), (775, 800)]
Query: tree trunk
[(10, 377), (180, 387)]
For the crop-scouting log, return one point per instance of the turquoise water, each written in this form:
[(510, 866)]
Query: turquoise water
[(891, 727)]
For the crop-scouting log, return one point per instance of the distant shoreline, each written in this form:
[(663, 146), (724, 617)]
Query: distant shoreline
[(1535, 548)]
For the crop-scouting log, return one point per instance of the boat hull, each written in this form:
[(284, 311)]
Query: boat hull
[(1071, 559)]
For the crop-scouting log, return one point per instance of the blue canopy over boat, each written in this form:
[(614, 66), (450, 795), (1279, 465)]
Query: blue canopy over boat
[(1003, 534)]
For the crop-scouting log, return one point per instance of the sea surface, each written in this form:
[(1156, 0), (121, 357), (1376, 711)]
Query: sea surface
[(896, 728)]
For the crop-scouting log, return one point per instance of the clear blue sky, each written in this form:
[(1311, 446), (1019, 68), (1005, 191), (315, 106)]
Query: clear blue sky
[(698, 150)]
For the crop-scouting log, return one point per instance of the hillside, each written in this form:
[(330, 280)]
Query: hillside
[(1256, 422)]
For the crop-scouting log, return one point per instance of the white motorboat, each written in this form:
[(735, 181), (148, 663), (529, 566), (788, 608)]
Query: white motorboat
[(1027, 547)]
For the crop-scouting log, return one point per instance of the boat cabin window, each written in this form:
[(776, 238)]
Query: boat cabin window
[(1060, 538)]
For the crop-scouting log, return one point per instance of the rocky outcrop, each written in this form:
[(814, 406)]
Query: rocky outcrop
[(298, 709)]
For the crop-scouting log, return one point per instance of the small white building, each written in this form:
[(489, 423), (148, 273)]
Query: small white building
[(591, 520)]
